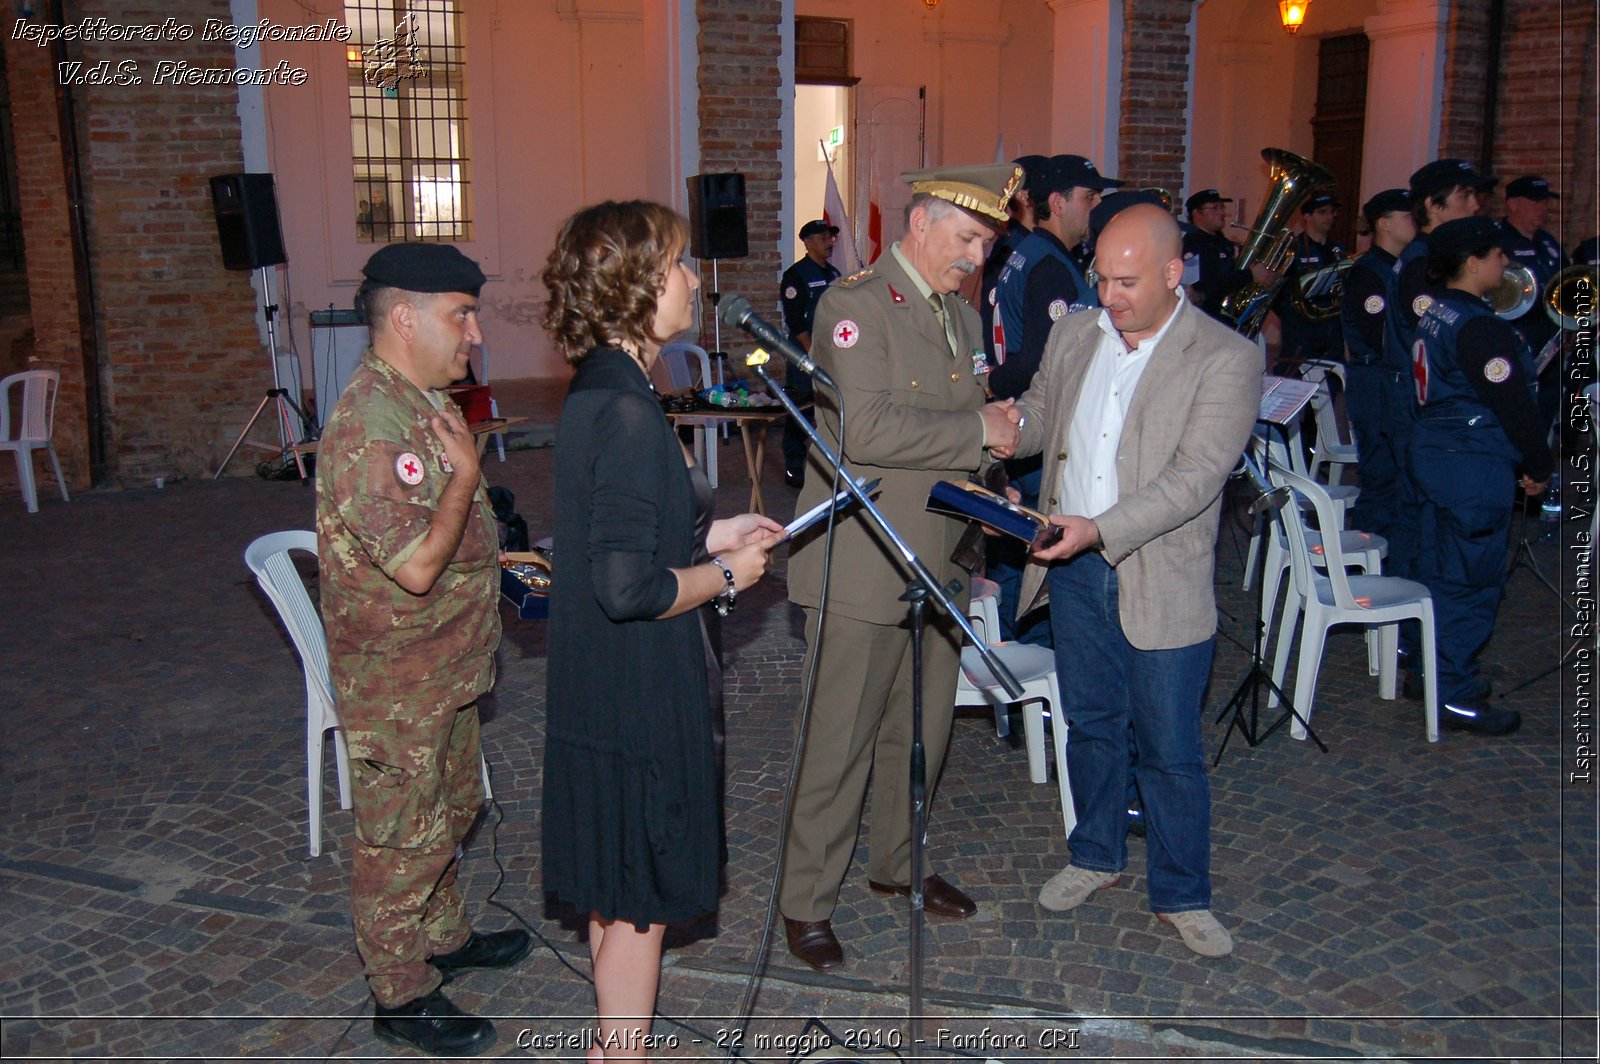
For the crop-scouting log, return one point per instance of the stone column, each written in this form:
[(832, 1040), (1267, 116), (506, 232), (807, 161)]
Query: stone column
[(1405, 90), (1086, 100)]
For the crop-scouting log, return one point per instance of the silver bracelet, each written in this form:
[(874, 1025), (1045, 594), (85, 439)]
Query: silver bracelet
[(724, 602)]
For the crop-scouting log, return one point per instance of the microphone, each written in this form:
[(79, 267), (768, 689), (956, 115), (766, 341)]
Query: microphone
[(737, 312)]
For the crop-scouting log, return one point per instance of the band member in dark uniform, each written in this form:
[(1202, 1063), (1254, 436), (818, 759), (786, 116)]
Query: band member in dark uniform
[(1477, 424), (1303, 337), (1378, 392), (1527, 243), (1207, 242), (802, 285)]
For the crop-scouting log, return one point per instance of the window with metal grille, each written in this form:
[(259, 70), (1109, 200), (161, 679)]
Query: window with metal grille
[(408, 120)]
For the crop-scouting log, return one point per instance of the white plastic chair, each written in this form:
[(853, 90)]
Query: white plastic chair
[(1270, 450), (269, 558), (1364, 550), (1035, 669), (1331, 453), (683, 374), (35, 422), (1332, 597)]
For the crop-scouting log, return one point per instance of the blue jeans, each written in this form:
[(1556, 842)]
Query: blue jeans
[(1106, 684)]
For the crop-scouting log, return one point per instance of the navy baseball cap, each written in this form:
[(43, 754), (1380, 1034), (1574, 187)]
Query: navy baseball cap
[(812, 228), (1386, 202), (1204, 198), (1116, 202), (1465, 236), (1442, 175), (1317, 202), (1531, 186), (1062, 172)]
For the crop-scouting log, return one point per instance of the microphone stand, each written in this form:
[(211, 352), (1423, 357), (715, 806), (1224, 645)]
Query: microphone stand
[(921, 587)]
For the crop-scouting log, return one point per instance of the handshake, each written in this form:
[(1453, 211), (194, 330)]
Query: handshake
[(1002, 427)]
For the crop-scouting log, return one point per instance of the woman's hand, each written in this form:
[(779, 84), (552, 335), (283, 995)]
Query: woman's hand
[(749, 562), (731, 533)]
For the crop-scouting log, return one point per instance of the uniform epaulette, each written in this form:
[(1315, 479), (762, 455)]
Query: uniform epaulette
[(858, 276)]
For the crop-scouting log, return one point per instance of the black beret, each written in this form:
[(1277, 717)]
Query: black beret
[(424, 268)]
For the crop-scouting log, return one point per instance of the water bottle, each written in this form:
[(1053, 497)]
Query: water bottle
[(1550, 509)]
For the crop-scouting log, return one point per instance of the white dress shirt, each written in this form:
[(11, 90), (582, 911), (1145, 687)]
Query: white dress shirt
[(1089, 475)]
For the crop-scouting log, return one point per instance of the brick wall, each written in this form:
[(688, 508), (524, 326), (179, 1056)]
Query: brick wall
[(740, 131), (1545, 115), (1155, 69), (47, 236), (181, 362)]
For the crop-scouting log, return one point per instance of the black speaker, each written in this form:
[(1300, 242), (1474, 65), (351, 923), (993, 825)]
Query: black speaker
[(247, 221), (716, 217)]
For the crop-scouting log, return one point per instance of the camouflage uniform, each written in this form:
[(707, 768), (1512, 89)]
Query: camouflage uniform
[(407, 670)]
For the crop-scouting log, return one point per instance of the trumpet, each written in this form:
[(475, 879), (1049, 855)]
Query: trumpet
[(1517, 291), (1569, 297)]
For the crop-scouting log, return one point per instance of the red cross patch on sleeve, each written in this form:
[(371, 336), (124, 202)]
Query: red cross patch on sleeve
[(845, 334), (409, 469)]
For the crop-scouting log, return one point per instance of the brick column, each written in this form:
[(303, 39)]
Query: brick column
[(741, 131), (1465, 81), (1155, 63), (52, 274)]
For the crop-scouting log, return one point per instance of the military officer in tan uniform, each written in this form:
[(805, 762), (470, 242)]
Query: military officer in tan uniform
[(410, 571), (908, 357)]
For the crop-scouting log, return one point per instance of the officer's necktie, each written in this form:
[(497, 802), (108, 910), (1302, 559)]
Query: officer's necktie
[(944, 319)]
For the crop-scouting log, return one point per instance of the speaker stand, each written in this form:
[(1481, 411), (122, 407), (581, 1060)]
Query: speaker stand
[(277, 395)]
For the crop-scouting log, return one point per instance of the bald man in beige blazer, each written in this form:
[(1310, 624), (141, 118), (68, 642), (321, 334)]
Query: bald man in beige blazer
[(1141, 409)]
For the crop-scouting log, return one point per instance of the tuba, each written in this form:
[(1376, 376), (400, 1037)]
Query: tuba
[(1517, 291), (1569, 297), (1319, 295), (1270, 241)]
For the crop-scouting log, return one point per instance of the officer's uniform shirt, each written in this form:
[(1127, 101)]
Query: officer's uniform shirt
[(999, 255), (1303, 338), (1040, 285), (803, 284), (1368, 287), (1474, 378), (1215, 255), (1541, 254)]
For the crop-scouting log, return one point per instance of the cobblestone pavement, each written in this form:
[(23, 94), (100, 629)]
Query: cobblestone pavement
[(1390, 898)]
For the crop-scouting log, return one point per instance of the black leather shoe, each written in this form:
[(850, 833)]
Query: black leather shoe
[(794, 480), (1136, 823), (813, 941), (1476, 717), (938, 897), (497, 949), (434, 1025)]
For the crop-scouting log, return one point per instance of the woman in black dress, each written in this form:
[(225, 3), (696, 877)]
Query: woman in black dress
[(631, 826)]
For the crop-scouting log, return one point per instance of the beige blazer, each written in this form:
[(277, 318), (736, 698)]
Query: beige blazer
[(910, 419), (1190, 418)]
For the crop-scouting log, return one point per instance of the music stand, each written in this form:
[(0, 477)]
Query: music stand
[(277, 395), (1283, 399)]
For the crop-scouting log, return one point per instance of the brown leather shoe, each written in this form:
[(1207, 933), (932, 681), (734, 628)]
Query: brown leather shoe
[(938, 897), (813, 941)]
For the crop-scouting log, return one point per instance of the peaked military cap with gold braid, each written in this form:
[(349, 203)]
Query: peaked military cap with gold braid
[(981, 190)]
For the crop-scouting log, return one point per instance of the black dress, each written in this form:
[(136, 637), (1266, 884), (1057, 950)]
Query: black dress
[(631, 825)]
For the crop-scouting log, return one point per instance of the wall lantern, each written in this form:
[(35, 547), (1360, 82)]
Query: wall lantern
[(1293, 13)]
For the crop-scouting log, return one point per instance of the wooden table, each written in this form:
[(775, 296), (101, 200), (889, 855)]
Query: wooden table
[(481, 431), (753, 423)]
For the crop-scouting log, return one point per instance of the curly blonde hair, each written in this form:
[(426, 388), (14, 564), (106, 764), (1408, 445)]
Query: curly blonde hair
[(606, 273)]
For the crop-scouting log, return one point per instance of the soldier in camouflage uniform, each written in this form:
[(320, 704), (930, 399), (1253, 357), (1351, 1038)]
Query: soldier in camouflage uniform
[(410, 563)]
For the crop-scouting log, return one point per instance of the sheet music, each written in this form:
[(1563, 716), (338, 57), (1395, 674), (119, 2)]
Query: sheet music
[(1282, 398)]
